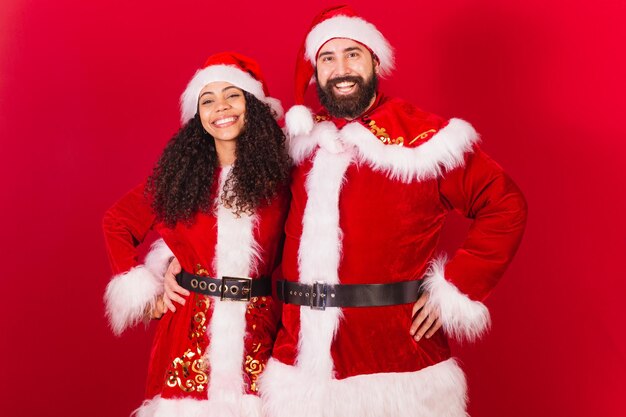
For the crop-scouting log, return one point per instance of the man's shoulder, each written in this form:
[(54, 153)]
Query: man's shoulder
[(404, 122)]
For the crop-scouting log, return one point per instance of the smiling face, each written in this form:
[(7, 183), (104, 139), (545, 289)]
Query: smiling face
[(346, 77), (222, 110)]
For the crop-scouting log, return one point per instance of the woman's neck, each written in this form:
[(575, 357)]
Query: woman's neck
[(225, 152)]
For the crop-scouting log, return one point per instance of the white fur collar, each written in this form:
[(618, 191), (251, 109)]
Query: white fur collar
[(443, 152)]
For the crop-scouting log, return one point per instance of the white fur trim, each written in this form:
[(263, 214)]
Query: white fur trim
[(249, 406), (461, 317), (437, 391), (443, 152), (299, 120), (318, 258), (352, 28), (227, 73), (158, 259), (236, 255), (301, 146), (128, 295)]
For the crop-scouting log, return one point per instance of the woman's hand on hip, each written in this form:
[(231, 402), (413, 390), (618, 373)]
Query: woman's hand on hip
[(172, 291)]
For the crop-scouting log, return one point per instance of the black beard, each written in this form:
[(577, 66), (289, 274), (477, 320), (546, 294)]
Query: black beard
[(353, 105)]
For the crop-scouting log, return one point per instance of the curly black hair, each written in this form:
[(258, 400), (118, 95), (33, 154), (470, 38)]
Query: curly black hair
[(181, 183)]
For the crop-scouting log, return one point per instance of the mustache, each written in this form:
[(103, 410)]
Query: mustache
[(346, 78)]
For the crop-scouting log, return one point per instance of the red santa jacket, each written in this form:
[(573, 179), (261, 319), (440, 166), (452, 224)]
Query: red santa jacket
[(369, 198), (207, 356)]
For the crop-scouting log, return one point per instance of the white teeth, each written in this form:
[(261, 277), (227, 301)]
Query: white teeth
[(345, 84), (221, 122)]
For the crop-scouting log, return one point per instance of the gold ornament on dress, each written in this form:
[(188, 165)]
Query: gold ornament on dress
[(422, 135), (186, 379), (383, 136), (201, 271), (254, 367), (189, 372)]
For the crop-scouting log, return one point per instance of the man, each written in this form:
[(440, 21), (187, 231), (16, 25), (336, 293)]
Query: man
[(374, 178), (364, 295)]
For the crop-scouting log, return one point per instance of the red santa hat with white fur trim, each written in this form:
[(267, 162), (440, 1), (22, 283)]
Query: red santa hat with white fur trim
[(239, 70), (332, 23)]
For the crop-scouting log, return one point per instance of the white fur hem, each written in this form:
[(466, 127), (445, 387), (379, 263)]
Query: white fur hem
[(249, 406), (129, 295), (437, 391), (461, 317)]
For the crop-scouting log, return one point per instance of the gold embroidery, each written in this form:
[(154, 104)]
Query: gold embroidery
[(383, 136), (181, 375), (189, 371), (321, 118), (422, 135), (254, 303), (201, 271), (254, 367)]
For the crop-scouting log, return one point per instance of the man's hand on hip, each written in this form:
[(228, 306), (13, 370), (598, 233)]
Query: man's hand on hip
[(425, 319)]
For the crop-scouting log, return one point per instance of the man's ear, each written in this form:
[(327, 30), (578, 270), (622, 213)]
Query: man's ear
[(376, 65)]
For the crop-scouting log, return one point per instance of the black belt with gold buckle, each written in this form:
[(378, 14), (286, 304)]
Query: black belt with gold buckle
[(320, 295), (226, 288)]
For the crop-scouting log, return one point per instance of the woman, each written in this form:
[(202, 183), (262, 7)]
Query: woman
[(218, 199)]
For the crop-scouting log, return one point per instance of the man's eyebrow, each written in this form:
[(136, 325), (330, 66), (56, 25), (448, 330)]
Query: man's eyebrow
[(353, 48), (325, 53)]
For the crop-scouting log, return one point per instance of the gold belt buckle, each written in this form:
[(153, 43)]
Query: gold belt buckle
[(232, 292)]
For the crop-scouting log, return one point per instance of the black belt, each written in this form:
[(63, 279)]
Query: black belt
[(320, 295), (227, 288)]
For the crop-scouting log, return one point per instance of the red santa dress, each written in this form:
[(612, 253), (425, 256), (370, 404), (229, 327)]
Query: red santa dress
[(207, 356), (369, 198)]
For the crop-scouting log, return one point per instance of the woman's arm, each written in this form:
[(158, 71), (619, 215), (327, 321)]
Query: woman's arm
[(131, 295)]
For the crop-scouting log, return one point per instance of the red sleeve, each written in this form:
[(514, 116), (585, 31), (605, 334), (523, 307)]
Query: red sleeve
[(482, 191), (126, 225)]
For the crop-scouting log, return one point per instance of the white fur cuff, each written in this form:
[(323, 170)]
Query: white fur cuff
[(158, 259), (461, 317), (128, 295)]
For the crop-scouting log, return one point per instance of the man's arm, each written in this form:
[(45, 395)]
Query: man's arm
[(481, 191)]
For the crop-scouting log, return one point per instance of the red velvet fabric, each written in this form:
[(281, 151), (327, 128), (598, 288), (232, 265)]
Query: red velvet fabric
[(483, 192), (390, 230), (126, 225)]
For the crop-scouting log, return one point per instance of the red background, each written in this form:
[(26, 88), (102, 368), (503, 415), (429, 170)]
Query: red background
[(89, 96)]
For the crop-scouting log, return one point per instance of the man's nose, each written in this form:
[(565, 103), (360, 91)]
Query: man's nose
[(343, 68)]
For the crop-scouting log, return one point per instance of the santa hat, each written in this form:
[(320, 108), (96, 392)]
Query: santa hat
[(332, 23), (234, 68)]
